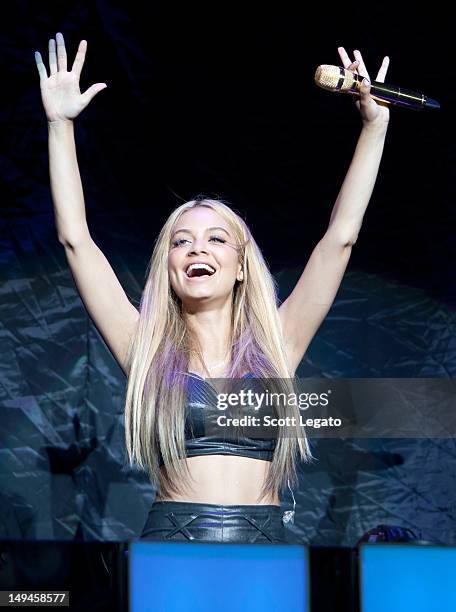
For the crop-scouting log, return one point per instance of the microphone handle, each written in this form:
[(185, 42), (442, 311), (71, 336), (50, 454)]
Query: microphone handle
[(398, 96)]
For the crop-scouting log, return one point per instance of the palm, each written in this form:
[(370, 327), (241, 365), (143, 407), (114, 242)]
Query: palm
[(372, 111), (60, 93)]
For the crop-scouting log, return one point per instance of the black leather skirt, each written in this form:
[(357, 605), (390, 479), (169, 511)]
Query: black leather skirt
[(186, 521)]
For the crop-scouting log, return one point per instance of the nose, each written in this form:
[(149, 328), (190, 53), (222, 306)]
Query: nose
[(198, 246)]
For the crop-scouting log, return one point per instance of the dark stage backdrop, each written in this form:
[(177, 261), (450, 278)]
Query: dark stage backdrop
[(216, 101)]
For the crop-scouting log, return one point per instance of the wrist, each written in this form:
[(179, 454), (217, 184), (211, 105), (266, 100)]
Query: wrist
[(58, 123), (377, 128)]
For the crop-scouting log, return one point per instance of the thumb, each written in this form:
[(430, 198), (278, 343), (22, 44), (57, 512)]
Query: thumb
[(90, 93), (365, 86)]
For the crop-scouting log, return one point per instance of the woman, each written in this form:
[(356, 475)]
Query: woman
[(209, 309)]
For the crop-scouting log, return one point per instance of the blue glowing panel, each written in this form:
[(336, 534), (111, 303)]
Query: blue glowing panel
[(224, 577), (406, 577)]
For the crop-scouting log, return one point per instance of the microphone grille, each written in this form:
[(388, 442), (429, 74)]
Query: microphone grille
[(334, 78)]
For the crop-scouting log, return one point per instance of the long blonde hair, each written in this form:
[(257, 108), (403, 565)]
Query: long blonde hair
[(160, 351)]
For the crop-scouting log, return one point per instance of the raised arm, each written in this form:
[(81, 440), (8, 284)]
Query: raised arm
[(302, 313), (103, 296)]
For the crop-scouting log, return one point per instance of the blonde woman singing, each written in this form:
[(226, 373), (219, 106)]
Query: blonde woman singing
[(209, 310)]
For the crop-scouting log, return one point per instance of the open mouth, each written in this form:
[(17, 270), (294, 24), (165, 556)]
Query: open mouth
[(199, 270)]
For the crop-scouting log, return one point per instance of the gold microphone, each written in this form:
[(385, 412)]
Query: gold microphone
[(338, 79)]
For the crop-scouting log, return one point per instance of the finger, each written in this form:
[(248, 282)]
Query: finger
[(362, 67), (92, 92), (383, 69), (61, 52), (354, 68), (41, 67), (80, 57), (364, 97), (52, 56), (346, 61)]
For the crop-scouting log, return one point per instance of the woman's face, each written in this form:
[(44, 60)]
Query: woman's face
[(202, 236)]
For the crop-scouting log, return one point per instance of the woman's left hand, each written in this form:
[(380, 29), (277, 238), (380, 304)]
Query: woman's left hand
[(372, 111)]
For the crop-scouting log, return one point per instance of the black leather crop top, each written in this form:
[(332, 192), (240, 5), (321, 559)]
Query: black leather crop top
[(200, 411)]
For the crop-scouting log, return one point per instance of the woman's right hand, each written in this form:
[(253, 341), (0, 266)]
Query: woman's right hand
[(60, 93)]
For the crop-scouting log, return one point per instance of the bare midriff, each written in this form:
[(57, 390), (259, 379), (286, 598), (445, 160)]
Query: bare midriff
[(225, 480)]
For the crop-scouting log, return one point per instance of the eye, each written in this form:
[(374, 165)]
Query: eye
[(178, 242), (218, 239)]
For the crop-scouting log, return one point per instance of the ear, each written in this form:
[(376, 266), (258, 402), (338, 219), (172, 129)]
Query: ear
[(240, 274)]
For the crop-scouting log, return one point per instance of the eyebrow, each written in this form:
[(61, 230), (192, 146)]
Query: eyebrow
[(207, 229)]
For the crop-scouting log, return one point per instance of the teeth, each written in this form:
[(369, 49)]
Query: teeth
[(202, 266)]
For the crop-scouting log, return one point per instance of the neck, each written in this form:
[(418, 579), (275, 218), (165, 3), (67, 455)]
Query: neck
[(212, 332)]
